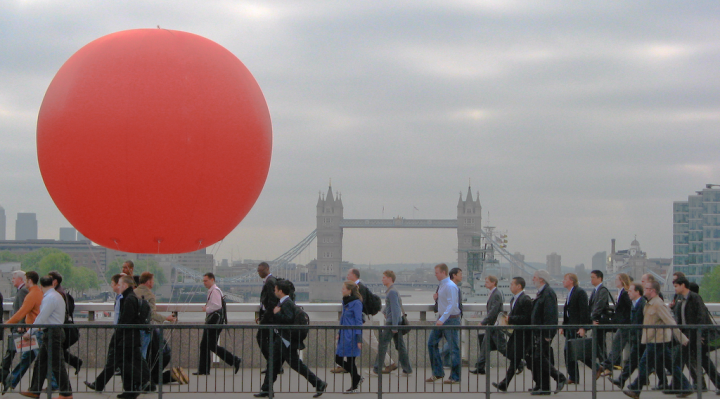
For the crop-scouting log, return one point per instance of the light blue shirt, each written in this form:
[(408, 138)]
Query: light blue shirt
[(52, 309), (117, 308), (635, 302), (447, 299)]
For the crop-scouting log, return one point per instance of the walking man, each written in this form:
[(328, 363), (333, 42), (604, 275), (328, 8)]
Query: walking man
[(18, 281), (544, 313), (52, 311), (144, 292), (29, 310), (520, 341), (576, 312), (448, 315), (635, 292), (492, 337), (268, 301), (214, 314), (599, 305), (110, 363), (286, 346), (393, 316)]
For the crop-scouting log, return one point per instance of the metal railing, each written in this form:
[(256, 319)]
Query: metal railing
[(177, 349)]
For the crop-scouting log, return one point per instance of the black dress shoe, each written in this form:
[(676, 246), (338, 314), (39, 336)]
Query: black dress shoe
[(237, 364), (533, 389), (560, 384), (199, 373), (477, 371), (262, 394), (500, 387), (618, 383), (77, 370), (540, 393), (91, 385), (320, 389)]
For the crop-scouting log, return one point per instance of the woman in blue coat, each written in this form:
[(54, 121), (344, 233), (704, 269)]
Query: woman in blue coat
[(349, 342)]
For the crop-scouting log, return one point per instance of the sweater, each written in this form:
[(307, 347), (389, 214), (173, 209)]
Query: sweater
[(30, 308)]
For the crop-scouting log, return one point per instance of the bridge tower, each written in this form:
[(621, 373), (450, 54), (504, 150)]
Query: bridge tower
[(329, 236), (469, 225)]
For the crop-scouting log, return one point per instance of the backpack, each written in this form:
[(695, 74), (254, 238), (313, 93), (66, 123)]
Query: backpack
[(301, 319), (371, 303), (144, 311), (292, 287)]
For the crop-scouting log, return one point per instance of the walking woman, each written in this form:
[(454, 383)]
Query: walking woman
[(349, 342)]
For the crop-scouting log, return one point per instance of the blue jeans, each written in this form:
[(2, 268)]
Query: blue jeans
[(26, 360), (452, 337), (145, 338), (660, 357)]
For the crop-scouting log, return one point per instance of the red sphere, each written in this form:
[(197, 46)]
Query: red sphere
[(154, 141)]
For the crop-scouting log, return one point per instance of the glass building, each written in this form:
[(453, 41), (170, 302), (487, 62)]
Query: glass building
[(696, 233)]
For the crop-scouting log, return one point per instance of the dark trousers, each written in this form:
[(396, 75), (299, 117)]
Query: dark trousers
[(516, 352), (541, 364), (659, 356), (71, 359), (7, 361), (601, 345), (348, 363), (263, 340), (636, 352), (496, 341), (51, 346), (208, 344), (109, 369), (134, 370), (620, 340), (689, 357), (281, 354)]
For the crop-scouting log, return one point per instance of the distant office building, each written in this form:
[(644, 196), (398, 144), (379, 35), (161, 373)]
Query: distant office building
[(3, 224), (580, 269), (634, 262), (696, 233), (554, 265), (68, 234), (26, 227), (81, 237), (599, 261)]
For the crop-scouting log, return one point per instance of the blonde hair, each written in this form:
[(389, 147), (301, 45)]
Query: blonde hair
[(492, 279), (625, 280), (573, 277)]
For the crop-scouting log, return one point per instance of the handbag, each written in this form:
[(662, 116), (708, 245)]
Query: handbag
[(72, 334), (580, 349), (608, 316)]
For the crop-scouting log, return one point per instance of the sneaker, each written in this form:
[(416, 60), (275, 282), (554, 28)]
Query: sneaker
[(450, 382), (338, 369)]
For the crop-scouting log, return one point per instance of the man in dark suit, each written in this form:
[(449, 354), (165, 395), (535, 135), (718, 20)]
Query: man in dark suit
[(285, 346), (599, 306), (268, 301), (544, 313), (635, 293), (496, 337), (691, 310), (135, 374), (520, 341), (623, 308), (576, 312)]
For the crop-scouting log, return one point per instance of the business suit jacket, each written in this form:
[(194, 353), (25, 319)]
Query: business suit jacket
[(494, 306), (520, 340), (268, 300), (577, 309), (129, 308), (18, 301), (636, 319), (286, 316), (695, 313), (623, 308), (599, 302), (545, 313)]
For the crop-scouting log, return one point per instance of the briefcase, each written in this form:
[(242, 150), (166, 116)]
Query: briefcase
[(580, 350)]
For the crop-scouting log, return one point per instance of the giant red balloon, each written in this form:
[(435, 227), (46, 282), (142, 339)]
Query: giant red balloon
[(154, 141)]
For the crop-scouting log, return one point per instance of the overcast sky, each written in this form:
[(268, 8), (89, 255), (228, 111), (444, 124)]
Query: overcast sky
[(576, 121)]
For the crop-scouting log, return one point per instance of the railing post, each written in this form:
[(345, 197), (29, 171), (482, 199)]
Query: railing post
[(486, 345), (270, 369), (698, 365), (423, 316), (594, 361), (381, 362), (48, 341), (161, 366)]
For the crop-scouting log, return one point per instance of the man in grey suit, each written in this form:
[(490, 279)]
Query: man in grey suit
[(393, 316), (493, 338), (18, 280), (599, 305)]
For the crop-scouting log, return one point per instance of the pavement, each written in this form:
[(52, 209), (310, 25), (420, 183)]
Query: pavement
[(223, 384)]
